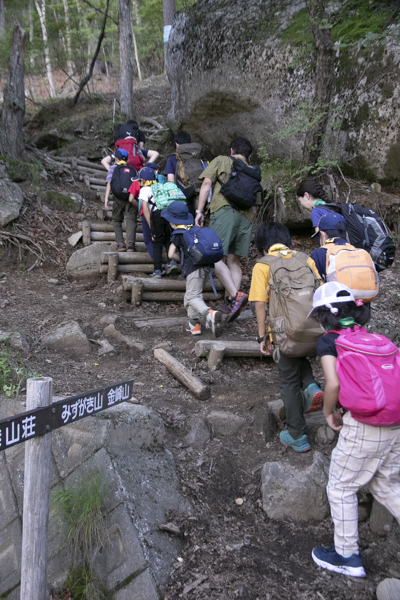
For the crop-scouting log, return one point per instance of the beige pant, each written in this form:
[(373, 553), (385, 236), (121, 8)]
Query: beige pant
[(193, 300), (364, 455)]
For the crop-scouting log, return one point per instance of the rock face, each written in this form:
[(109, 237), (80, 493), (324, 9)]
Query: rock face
[(126, 445), (288, 493), (237, 69), (86, 261), (11, 201)]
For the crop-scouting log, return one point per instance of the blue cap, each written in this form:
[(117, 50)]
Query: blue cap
[(146, 174), (152, 166), (121, 154), (330, 220), (178, 213)]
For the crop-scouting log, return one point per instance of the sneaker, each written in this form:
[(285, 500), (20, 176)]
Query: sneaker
[(328, 558), (314, 398), (299, 445), (131, 247), (214, 317), (193, 326), (157, 274), (226, 307), (121, 248), (171, 268), (238, 302)]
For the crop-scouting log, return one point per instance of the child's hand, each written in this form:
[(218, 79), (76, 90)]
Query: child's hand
[(199, 220), (106, 205), (266, 347), (334, 421)]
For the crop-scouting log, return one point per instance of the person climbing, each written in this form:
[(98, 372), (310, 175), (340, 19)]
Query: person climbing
[(181, 221), (362, 372), (312, 197), (299, 276), (232, 224)]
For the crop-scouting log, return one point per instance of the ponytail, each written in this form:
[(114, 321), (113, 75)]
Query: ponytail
[(314, 189)]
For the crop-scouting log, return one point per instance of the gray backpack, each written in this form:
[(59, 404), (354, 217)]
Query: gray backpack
[(188, 168), (292, 283)]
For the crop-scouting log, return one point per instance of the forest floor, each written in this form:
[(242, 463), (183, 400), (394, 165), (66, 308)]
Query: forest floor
[(232, 551)]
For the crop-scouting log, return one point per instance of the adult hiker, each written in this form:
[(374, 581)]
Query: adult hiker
[(282, 287), (184, 167), (236, 192)]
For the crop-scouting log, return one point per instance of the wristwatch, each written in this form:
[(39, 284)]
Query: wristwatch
[(260, 339), (199, 212)]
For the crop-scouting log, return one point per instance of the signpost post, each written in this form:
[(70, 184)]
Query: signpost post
[(34, 427)]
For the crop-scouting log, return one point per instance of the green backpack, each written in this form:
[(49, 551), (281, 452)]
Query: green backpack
[(165, 193)]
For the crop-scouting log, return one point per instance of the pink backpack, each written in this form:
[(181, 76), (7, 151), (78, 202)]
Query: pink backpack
[(368, 366)]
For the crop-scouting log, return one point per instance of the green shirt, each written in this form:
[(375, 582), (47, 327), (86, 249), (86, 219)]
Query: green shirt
[(221, 168)]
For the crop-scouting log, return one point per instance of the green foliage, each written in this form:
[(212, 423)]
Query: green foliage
[(360, 21), (18, 170), (80, 508), (13, 371), (85, 585)]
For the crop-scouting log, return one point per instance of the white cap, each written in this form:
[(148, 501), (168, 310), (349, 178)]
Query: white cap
[(327, 294)]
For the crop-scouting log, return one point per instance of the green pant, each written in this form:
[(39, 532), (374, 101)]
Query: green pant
[(295, 375), (121, 209)]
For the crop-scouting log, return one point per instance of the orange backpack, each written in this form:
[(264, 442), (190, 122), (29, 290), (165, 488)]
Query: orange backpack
[(353, 267)]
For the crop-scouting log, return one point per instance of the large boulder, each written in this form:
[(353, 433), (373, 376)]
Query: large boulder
[(86, 262), (68, 338), (11, 200), (289, 493)]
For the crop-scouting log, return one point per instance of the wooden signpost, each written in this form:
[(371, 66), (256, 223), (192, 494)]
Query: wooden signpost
[(34, 427)]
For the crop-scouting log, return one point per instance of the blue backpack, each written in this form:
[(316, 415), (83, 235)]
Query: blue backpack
[(203, 246)]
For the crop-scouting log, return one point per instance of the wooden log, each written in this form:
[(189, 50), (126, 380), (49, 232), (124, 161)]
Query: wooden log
[(232, 348), (36, 498), (109, 236), (193, 383), (87, 171), (163, 322), (112, 273), (98, 188), (87, 163), (129, 258), (164, 285), (137, 293), (108, 227), (86, 180), (97, 180), (86, 233), (62, 159), (74, 162), (129, 269), (173, 296), (216, 356)]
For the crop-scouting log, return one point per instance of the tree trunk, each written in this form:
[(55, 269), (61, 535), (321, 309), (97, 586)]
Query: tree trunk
[(70, 66), (125, 57), (31, 30), (169, 10), (322, 33), (2, 18), (42, 16), (12, 117)]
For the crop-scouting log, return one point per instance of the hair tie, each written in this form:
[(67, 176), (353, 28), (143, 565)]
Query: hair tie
[(333, 310), (359, 302)]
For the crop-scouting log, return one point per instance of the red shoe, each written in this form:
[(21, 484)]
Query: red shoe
[(238, 302)]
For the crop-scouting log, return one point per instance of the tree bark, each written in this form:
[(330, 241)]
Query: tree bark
[(70, 66), (125, 56), (322, 34), (169, 10), (31, 30), (13, 114), (2, 18), (42, 16)]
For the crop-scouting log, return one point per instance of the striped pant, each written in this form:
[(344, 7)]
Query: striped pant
[(364, 455)]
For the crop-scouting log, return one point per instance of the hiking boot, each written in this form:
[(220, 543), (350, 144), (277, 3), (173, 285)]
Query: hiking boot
[(299, 445), (121, 248), (314, 398), (171, 268), (238, 302), (226, 307), (328, 558), (157, 274), (193, 326), (214, 317), (131, 247)]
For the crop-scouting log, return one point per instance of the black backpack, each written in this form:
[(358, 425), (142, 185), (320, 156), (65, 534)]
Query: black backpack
[(243, 185), (124, 130), (121, 181), (366, 230)]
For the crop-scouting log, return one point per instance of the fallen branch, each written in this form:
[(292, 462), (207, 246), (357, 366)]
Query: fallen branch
[(193, 383)]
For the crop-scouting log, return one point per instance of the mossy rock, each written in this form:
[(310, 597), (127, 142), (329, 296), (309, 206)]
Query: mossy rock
[(392, 166), (65, 202)]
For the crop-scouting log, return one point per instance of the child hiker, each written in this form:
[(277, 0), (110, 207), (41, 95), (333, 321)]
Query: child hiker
[(294, 274), (362, 371), (181, 220)]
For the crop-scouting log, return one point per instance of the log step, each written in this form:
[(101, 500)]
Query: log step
[(164, 284), (108, 227), (108, 236), (247, 348)]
